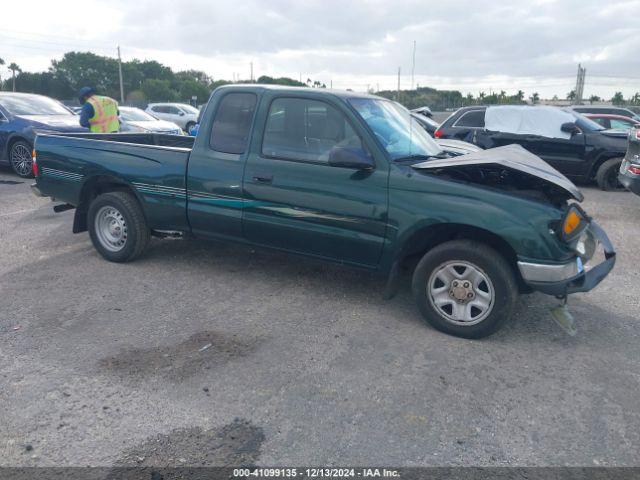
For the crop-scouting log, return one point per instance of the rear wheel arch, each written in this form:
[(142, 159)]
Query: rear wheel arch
[(91, 189)]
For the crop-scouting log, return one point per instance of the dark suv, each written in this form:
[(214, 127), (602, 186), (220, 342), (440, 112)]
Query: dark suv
[(587, 152)]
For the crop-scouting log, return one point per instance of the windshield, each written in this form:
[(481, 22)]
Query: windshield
[(189, 109), (135, 115), (400, 134), (32, 105)]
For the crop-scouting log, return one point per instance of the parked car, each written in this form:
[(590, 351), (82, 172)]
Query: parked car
[(424, 111), (182, 114), (613, 121), (136, 120), (22, 115), (630, 168), (427, 123), (606, 109), (344, 177), (576, 146)]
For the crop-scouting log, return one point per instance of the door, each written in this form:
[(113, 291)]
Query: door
[(216, 163), (565, 155), (4, 135), (296, 201)]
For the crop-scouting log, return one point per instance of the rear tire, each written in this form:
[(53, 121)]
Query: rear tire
[(117, 226), (464, 288), (607, 175), (189, 126), (21, 159)]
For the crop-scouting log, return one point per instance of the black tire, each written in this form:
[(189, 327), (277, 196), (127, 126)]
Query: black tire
[(20, 159), (189, 126), (490, 263), (130, 220), (607, 175)]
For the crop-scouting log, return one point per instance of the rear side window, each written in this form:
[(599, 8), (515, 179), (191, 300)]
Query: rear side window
[(232, 122), (306, 130), (473, 119)]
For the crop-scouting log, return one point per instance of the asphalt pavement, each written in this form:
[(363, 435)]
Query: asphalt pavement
[(213, 354)]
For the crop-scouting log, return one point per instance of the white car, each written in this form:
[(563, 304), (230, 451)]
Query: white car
[(136, 120), (183, 115)]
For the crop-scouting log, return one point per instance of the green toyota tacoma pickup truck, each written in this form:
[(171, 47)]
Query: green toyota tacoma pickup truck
[(340, 176)]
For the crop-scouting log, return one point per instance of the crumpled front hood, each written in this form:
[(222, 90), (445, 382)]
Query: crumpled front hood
[(55, 122), (513, 157)]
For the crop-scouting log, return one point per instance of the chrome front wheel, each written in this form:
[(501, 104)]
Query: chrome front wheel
[(461, 292), (465, 288)]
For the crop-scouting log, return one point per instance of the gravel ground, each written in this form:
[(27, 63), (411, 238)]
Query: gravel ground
[(205, 353)]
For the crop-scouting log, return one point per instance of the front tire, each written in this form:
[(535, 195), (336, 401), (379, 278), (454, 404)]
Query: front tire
[(464, 288), (21, 159), (117, 226), (607, 175)]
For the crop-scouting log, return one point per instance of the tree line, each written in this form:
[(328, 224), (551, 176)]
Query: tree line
[(143, 81), (150, 81)]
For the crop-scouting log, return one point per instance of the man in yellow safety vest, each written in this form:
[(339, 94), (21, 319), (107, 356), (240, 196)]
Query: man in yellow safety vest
[(99, 113)]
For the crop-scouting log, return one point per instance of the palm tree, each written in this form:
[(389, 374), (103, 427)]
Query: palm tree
[(571, 95), (535, 98), (520, 96), (636, 98), (469, 98), (617, 98), (1, 63), (594, 98), (14, 68)]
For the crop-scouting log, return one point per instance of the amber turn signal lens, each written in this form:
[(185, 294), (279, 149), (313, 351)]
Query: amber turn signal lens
[(571, 222)]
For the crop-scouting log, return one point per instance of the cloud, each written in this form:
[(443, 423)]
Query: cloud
[(460, 43)]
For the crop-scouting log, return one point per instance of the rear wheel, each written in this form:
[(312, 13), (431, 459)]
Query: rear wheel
[(117, 226), (607, 175), (21, 160), (189, 126), (464, 288)]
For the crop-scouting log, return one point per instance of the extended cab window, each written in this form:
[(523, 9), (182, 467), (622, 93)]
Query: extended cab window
[(472, 119), (232, 122), (306, 130)]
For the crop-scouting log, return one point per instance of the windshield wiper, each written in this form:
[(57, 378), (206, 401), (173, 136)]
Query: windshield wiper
[(416, 157)]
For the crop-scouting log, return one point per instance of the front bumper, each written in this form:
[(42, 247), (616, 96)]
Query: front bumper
[(573, 277)]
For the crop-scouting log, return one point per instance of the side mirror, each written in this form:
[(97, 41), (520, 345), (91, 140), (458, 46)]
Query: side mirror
[(570, 127), (181, 114), (350, 157)]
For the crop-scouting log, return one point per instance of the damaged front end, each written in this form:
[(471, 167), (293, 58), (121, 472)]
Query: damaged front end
[(515, 170), (511, 169)]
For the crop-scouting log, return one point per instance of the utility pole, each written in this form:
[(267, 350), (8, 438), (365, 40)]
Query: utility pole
[(580, 84), (120, 75), (251, 64), (413, 64), (398, 94)]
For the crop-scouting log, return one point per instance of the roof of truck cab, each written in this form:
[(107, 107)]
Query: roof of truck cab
[(286, 88)]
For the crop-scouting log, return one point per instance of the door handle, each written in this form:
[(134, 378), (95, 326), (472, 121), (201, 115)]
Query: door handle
[(261, 178)]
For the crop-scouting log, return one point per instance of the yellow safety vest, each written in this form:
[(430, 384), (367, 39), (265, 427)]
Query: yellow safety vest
[(105, 114)]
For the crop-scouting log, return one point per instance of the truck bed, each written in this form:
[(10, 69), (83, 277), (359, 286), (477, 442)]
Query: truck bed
[(152, 165)]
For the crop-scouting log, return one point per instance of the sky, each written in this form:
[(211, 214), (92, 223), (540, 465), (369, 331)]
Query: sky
[(470, 46)]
